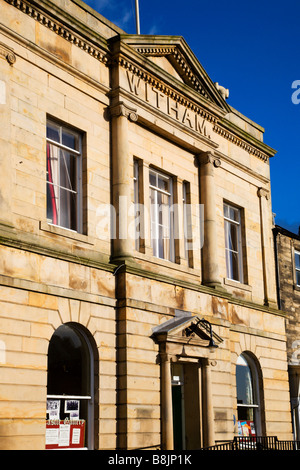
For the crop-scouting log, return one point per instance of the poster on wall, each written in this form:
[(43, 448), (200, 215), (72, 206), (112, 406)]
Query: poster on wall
[(72, 407), (246, 428), (65, 434), (53, 409)]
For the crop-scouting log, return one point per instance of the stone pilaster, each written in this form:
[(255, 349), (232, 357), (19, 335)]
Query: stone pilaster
[(166, 403), (210, 272), (5, 134), (208, 414), (122, 183), (267, 251)]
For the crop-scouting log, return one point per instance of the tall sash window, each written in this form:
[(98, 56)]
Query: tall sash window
[(233, 243), (162, 215), (64, 177)]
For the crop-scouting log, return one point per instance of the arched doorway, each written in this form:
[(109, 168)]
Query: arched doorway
[(71, 385), (249, 396)]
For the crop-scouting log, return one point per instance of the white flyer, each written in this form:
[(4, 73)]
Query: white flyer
[(64, 435), (76, 436)]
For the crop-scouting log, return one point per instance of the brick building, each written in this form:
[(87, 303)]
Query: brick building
[(136, 236)]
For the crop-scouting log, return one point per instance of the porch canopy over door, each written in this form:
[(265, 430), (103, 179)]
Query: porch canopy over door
[(190, 342)]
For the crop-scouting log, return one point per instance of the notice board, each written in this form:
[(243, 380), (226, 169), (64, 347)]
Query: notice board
[(65, 434)]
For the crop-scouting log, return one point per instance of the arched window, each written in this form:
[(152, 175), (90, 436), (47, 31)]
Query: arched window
[(248, 397), (70, 387)]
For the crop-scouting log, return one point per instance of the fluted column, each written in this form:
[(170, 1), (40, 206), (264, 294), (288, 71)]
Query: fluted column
[(166, 404), (122, 181), (210, 272)]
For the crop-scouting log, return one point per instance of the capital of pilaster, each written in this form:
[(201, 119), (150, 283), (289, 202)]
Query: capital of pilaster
[(7, 53), (123, 109), (165, 358), (207, 362), (208, 157), (263, 193)]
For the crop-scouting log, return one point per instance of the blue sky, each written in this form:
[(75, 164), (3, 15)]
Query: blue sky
[(252, 48)]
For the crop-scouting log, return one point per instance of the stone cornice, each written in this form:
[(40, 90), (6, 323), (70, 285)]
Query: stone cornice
[(240, 142), (133, 268), (15, 239), (78, 38), (9, 237)]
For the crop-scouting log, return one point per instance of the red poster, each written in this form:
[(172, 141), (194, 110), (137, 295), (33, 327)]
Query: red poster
[(65, 434)]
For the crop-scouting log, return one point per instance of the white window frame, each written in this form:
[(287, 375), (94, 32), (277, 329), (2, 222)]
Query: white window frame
[(187, 221), (297, 270), (76, 193), (154, 211), (136, 184), (228, 251)]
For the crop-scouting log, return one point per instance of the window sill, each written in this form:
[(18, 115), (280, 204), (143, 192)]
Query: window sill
[(296, 287), (164, 263), (237, 285), (64, 232)]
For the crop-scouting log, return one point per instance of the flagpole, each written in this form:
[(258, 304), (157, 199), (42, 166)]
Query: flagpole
[(137, 16)]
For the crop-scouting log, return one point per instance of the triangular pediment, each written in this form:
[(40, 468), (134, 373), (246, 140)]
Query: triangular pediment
[(174, 57), (164, 63), (187, 329)]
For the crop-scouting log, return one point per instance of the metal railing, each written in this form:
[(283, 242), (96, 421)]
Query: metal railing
[(256, 443)]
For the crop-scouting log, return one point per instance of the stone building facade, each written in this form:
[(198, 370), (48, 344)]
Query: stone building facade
[(287, 255), (137, 276)]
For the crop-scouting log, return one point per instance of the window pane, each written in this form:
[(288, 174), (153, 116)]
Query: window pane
[(67, 210), (53, 132), (232, 237), (52, 164), (244, 385), (235, 275), (232, 263), (70, 140), (163, 183), (152, 177), (68, 177), (234, 214), (231, 213), (52, 201), (298, 278), (297, 260)]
